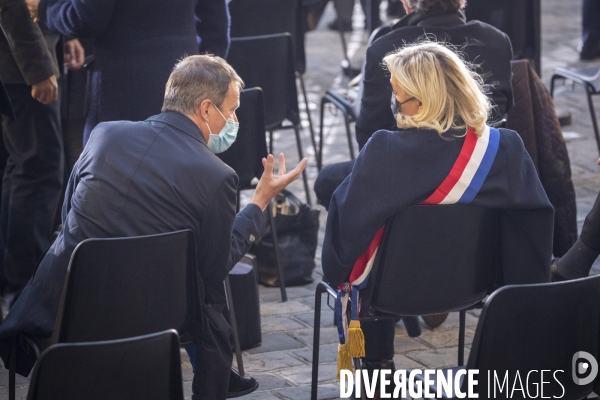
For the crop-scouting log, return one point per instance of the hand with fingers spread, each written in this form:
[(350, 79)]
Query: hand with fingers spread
[(270, 184)]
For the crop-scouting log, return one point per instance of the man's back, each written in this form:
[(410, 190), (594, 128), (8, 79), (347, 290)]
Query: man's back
[(479, 43)]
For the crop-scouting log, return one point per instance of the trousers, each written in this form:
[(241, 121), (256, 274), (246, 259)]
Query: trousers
[(32, 184)]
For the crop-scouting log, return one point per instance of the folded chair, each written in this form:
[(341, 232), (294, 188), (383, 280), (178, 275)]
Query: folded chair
[(432, 259), (539, 327), (246, 153), (143, 367), (268, 62)]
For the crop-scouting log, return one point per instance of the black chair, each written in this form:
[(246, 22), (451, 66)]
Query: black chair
[(348, 107), (124, 287), (265, 17), (539, 327), (246, 153), (143, 367), (432, 260), (590, 80), (268, 62)]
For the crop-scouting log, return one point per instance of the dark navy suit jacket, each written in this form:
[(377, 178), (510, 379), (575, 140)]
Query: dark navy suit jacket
[(136, 45), (396, 169), (141, 178)]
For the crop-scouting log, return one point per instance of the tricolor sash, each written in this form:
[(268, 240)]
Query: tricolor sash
[(462, 184)]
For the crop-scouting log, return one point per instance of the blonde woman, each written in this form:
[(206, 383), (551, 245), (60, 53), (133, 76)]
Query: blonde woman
[(443, 153)]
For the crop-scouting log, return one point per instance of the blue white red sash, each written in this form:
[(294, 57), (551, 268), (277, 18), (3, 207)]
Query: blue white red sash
[(460, 186)]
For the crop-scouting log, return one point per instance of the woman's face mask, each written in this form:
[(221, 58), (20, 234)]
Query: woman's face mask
[(221, 142)]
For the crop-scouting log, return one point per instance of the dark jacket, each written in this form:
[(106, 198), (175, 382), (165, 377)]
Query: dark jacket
[(480, 43), (136, 45), (533, 116), (396, 169), (27, 55), (141, 178)]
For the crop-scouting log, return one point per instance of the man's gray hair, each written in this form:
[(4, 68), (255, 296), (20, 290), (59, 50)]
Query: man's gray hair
[(197, 78), (436, 6)]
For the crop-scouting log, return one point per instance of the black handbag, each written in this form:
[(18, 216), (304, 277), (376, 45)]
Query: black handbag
[(297, 228)]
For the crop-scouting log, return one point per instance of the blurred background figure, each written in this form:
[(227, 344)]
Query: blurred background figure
[(33, 175), (590, 26), (136, 44)]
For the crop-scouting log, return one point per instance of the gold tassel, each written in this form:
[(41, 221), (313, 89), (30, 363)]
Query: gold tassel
[(344, 360), (356, 340)]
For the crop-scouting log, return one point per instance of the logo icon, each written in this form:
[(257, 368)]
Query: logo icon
[(584, 364)]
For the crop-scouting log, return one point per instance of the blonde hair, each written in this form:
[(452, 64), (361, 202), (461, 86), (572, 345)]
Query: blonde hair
[(451, 93)]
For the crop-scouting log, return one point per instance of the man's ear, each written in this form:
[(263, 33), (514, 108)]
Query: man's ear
[(203, 109)]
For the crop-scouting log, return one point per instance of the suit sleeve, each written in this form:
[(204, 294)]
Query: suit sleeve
[(26, 42), (212, 27), (527, 223), (502, 95), (224, 237), (375, 107), (76, 18)]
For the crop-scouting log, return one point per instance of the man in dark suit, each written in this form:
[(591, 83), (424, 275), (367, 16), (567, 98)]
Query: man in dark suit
[(34, 172), (160, 175), (136, 44), (480, 43)]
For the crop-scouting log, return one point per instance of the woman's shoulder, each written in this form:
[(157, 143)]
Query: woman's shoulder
[(510, 139)]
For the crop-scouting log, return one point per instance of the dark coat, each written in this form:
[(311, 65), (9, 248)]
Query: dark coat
[(141, 178), (480, 43), (396, 169), (533, 116), (136, 45), (27, 55)]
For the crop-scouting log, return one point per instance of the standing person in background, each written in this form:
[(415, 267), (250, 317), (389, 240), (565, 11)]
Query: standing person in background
[(136, 45), (590, 26), (33, 176)]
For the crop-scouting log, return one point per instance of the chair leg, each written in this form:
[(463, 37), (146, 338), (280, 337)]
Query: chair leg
[(320, 153), (461, 338), (301, 156), (316, 337), (349, 134), (234, 327), (12, 367), (593, 115), (270, 142), (552, 80), (310, 124), (277, 257)]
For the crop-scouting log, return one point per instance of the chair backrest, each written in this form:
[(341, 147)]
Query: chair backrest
[(380, 31), (435, 259), (246, 153), (268, 62), (539, 327), (265, 17), (144, 367), (125, 287)]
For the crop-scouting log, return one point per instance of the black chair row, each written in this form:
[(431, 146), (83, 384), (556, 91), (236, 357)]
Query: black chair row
[(144, 367), (521, 328)]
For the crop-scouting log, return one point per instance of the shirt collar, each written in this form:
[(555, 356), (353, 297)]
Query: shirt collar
[(431, 19)]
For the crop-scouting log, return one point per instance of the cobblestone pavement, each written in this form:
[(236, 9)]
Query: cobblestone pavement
[(282, 365)]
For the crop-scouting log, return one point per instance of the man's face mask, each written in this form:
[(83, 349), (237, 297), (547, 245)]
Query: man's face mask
[(221, 142)]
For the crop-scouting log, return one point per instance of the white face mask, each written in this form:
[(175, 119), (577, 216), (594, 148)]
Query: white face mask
[(221, 142)]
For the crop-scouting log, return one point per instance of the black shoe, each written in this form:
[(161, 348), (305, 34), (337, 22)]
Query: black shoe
[(434, 320), (240, 385), (335, 26), (589, 51)]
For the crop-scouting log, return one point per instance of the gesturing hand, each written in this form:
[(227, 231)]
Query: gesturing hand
[(270, 184)]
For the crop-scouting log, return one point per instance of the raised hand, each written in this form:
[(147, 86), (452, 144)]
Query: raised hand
[(270, 184)]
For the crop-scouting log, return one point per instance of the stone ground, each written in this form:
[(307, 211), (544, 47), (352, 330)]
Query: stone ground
[(282, 365)]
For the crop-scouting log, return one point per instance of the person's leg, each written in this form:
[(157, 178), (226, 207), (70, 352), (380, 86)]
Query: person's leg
[(578, 260), (343, 9), (379, 347), (591, 30), (33, 178), (329, 179)]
